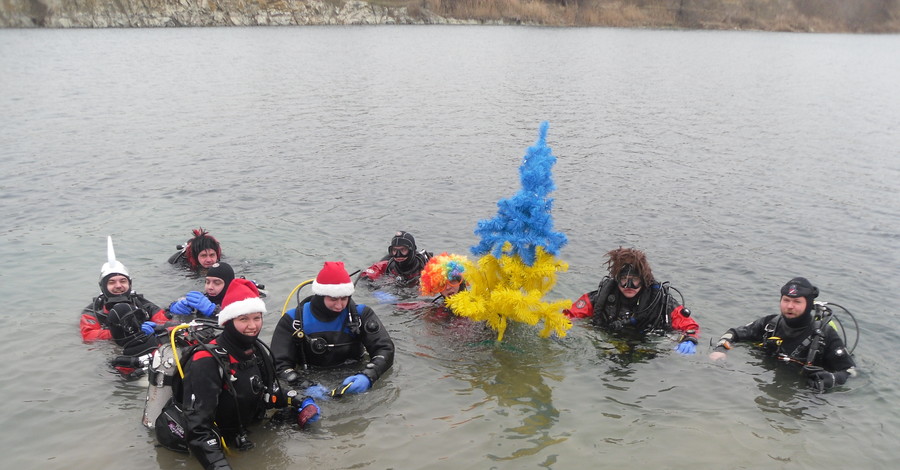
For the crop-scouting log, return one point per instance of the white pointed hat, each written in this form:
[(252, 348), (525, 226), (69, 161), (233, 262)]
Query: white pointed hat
[(112, 266)]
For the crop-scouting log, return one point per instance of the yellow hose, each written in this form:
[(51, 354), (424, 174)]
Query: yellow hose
[(291, 295), (175, 348)]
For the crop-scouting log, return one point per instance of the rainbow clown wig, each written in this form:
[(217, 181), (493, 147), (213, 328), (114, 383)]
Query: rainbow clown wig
[(441, 271)]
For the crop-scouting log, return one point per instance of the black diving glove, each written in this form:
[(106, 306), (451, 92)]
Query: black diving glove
[(823, 380), (289, 375)]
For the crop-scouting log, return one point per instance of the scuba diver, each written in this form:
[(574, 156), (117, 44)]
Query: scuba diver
[(402, 263), (200, 252), (228, 384), (207, 303), (327, 330), (798, 336), (629, 301), (121, 314)]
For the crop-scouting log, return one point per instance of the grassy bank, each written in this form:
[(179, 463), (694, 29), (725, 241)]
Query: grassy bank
[(877, 16)]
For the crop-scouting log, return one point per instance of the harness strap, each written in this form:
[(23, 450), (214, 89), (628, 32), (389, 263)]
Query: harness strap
[(225, 369), (352, 323), (657, 300), (812, 343)]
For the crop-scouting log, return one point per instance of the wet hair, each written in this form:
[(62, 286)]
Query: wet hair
[(621, 258), (202, 241)]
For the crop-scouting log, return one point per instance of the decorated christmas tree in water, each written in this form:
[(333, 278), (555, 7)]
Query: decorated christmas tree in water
[(517, 262)]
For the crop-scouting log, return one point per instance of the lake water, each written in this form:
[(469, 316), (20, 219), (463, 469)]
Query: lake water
[(736, 160)]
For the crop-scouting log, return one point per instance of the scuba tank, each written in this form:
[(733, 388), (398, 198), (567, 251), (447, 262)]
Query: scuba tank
[(161, 373), (164, 369)]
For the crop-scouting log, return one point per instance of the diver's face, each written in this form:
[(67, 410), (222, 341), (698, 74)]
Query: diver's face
[(336, 304), (792, 307), (214, 286), (207, 258), (249, 324), (450, 289), (399, 253), (630, 286), (118, 285)]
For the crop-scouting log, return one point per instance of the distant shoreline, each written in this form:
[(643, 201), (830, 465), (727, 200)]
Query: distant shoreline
[(820, 16)]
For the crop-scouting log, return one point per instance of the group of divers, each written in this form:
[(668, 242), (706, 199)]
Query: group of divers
[(211, 376)]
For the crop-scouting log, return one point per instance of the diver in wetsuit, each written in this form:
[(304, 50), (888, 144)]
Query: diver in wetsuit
[(328, 329), (403, 263), (631, 302), (799, 335)]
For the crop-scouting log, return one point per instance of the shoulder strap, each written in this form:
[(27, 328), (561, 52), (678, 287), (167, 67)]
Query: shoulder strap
[(814, 341), (187, 358), (354, 322), (599, 300), (268, 369)]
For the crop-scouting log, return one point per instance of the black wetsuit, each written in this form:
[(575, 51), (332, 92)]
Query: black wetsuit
[(404, 274), (782, 341), (332, 339), (222, 403)]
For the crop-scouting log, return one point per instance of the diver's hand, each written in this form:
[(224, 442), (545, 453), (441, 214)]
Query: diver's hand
[(148, 328), (384, 297), (356, 384), (180, 307), (317, 391), (822, 380), (686, 347), (289, 375), (717, 356), (199, 301), (308, 412)]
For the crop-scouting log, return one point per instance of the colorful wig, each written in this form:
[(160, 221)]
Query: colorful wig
[(440, 271)]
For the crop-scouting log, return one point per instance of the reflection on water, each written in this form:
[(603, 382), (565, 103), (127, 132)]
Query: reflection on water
[(784, 392), (509, 379), (514, 385)]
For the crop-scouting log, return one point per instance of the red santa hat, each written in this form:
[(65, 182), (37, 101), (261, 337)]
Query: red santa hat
[(241, 298), (333, 281)]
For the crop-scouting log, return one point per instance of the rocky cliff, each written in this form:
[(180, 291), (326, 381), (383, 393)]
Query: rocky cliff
[(160, 13), (861, 16)]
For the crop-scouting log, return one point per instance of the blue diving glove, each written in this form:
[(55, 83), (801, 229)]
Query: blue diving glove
[(356, 384), (317, 391), (384, 297), (181, 307), (199, 301), (148, 327), (308, 412), (686, 347)]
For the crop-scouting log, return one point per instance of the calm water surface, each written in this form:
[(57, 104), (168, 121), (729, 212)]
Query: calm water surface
[(735, 160)]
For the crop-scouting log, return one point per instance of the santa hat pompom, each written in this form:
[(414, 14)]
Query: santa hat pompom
[(241, 298)]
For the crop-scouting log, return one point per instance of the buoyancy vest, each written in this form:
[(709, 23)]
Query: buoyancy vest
[(245, 381), (327, 343), (647, 314), (408, 276), (806, 345)]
